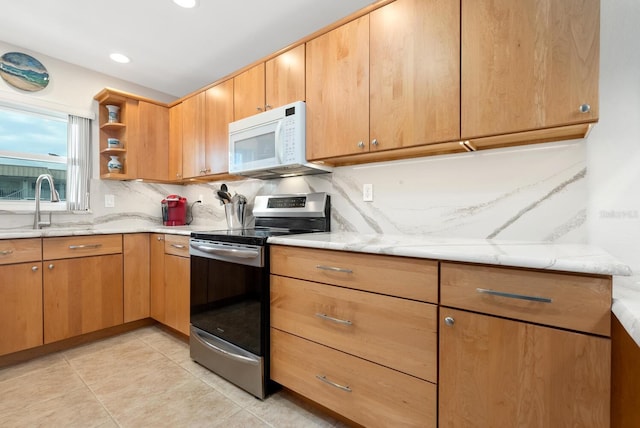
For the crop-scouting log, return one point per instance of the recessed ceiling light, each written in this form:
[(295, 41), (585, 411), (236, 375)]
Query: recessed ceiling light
[(186, 3), (118, 57)]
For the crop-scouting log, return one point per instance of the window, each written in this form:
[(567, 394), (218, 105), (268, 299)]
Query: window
[(35, 142)]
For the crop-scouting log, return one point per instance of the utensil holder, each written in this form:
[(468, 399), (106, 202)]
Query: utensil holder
[(234, 213)]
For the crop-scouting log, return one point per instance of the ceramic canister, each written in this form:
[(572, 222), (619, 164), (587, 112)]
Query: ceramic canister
[(113, 143)]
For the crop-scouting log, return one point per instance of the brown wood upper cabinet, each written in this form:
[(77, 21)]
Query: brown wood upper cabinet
[(273, 83), (528, 64), (386, 80), (143, 131), (175, 143), (205, 120)]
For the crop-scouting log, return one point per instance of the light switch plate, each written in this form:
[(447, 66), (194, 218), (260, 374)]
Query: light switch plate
[(109, 201), (367, 192)]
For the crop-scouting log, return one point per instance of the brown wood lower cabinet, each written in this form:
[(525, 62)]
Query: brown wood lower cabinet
[(366, 393), (496, 372), (82, 295), (20, 306), (170, 281), (357, 333)]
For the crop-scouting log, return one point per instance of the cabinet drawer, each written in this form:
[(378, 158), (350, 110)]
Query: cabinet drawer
[(407, 277), (20, 250), (575, 302), (398, 333), (376, 395), (177, 245), (81, 246)]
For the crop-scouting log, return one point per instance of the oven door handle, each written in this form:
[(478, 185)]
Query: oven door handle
[(228, 252), (197, 336)]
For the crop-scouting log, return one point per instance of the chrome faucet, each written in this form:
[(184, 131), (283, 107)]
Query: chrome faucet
[(37, 221)]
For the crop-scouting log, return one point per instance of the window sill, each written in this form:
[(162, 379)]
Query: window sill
[(29, 207)]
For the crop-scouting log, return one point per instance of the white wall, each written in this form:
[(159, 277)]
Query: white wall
[(613, 150)]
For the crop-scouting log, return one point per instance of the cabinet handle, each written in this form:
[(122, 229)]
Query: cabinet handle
[(6, 252), (259, 108), (84, 246), (449, 321), (374, 142), (336, 385), (204, 171), (333, 269), (178, 246), (34, 268), (51, 266), (514, 296), (361, 144), (336, 320), (160, 238), (267, 107), (585, 108)]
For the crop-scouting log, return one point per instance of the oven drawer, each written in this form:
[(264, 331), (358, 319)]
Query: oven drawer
[(407, 277), (574, 302), (365, 392), (81, 246), (20, 250), (397, 333), (177, 245)]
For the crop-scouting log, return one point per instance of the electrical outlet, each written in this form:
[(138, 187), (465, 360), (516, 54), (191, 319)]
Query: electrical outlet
[(109, 201), (367, 192)]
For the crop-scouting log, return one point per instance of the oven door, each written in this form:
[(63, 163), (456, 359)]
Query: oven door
[(230, 293)]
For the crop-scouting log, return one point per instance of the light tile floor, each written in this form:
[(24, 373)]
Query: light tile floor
[(144, 378)]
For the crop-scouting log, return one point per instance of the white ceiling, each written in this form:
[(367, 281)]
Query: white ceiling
[(172, 50)]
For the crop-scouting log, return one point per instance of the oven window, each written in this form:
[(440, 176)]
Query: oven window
[(228, 300)]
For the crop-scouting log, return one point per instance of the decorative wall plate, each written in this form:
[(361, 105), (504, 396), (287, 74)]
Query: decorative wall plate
[(23, 71)]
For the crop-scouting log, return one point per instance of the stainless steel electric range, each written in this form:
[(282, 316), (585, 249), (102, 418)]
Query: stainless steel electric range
[(230, 287)]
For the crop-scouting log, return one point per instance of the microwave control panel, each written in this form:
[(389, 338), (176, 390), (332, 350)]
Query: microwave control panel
[(290, 148)]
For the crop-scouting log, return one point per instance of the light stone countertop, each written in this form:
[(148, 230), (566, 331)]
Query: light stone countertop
[(626, 304), (527, 254), (71, 231)]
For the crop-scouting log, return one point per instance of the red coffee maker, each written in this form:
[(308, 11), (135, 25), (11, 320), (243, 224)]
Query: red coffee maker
[(174, 210)]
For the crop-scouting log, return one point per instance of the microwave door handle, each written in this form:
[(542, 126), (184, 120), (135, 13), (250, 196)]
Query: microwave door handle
[(278, 142)]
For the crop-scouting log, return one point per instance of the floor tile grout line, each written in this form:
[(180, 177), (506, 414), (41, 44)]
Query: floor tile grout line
[(106, 409)]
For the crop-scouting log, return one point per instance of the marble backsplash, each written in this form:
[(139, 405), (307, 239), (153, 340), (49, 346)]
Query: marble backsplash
[(528, 193)]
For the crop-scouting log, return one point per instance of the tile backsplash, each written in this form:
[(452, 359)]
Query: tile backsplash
[(529, 193)]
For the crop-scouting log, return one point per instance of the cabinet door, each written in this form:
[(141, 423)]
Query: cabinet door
[(284, 78), (20, 307), (136, 276), (528, 64), (156, 278), (415, 73), (82, 295), (177, 289), (153, 136), (338, 91), (219, 108), (248, 92), (175, 142), (193, 136), (501, 373)]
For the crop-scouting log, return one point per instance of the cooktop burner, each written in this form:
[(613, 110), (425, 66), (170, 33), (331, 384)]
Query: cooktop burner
[(254, 236)]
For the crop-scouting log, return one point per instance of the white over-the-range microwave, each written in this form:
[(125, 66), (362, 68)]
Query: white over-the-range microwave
[(271, 144)]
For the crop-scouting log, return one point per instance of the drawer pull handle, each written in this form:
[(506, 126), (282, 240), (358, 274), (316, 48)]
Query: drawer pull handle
[(333, 269), (338, 320), (336, 385), (6, 252), (514, 296), (178, 246), (83, 246)]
